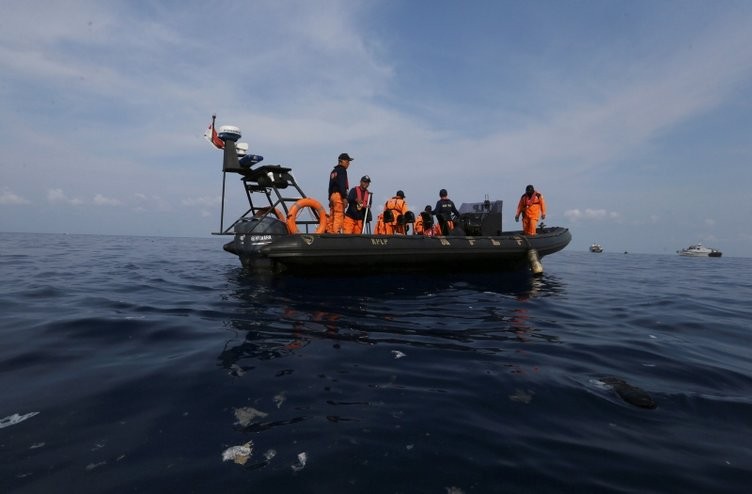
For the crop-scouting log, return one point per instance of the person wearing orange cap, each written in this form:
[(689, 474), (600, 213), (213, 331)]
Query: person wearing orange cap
[(532, 207), (358, 207), (395, 214), (338, 188)]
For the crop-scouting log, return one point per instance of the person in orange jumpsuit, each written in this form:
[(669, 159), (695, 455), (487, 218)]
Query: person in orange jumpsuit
[(532, 207), (396, 208), (338, 188), (424, 224), (380, 228), (358, 207)]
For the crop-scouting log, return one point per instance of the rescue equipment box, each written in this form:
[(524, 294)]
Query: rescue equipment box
[(481, 218)]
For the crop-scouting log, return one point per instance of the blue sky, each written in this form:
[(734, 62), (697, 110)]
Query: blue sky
[(632, 118)]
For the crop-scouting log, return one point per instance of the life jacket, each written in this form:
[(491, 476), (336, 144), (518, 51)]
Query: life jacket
[(529, 201), (426, 220), (424, 224), (362, 196), (393, 211)]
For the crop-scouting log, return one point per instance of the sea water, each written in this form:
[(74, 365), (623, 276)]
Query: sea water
[(134, 364)]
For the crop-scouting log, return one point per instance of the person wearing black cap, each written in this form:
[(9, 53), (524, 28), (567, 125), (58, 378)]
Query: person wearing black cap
[(531, 207), (358, 207), (395, 213), (338, 188), (445, 212)]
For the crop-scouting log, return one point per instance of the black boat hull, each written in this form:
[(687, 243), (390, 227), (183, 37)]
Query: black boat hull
[(381, 253)]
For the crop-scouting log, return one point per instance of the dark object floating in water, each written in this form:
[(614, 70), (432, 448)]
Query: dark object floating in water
[(631, 394)]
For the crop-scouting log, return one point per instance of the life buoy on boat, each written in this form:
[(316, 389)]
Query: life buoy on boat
[(307, 202)]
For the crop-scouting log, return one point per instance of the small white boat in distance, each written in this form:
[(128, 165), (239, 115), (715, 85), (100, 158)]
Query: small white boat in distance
[(699, 250), (596, 248)]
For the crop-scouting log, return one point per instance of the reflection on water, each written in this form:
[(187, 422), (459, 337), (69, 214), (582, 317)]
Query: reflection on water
[(282, 315)]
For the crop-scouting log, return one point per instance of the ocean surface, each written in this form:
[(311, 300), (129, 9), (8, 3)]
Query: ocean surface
[(140, 364)]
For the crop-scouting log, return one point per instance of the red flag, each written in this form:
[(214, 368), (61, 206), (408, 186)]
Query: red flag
[(211, 136)]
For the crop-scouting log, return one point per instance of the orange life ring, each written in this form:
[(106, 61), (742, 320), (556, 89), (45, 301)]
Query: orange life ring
[(292, 225)]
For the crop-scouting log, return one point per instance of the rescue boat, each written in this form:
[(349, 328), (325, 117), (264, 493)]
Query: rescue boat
[(283, 230)]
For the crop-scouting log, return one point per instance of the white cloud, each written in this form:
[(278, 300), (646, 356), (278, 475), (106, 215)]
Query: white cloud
[(203, 201), (153, 202), (591, 215), (55, 196), (7, 196), (101, 200)]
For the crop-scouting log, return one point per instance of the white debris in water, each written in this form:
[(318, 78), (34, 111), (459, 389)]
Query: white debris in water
[(522, 396), (37, 445), (279, 398), (15, 419), (246, 415), (236, 370), (599, 384), (239, 454), (398, 354), (92, 466), (302, 460), (271, 453)]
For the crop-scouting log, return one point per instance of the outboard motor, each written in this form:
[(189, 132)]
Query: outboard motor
[(254, 232)]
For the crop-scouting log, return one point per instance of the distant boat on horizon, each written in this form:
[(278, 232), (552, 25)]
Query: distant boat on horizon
[(699, 250), (597, 248)]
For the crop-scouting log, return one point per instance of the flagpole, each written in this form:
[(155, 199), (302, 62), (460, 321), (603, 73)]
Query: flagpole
[(224, 180)]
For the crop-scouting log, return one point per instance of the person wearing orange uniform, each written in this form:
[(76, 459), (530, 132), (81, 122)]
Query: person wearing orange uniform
[(532, 207), (396, 209), (380, 228), (424, 224), (338, 188), (358, 204)]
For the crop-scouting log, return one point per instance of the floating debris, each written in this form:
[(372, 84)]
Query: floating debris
[(271, 453), (92, 466), (15, 419), (246, 415), (398, 354), (236, 370), (522, 396), (239, 454), (37, 445), (279, 398), (631, 394), (302, 460)]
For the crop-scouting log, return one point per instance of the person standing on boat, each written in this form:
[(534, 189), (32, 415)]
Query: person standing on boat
[(338, 188), (395, 211), (445, 211), (358, 207), (532, 207)]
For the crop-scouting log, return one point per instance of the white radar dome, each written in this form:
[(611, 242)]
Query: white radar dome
[(229, 133)]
